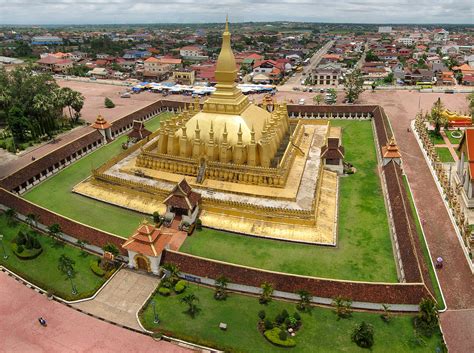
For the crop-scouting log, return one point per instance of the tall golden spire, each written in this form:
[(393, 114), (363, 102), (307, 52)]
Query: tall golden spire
[(226, 71)]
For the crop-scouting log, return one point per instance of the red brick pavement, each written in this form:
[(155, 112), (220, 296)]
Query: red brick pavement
[(456, 278), (67, 330)]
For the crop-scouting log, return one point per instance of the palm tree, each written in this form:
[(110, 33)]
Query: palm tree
[(11, 216), (221, 286), (428, 312), (436, 117), (173, 271), (267, 291), (305, 300), (32, 219), (54, 230), (190, 300), (66, 267)]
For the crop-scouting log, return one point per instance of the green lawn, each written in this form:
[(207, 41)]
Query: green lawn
[(43, 270), (424, 247), (55, 193), (364, 249), (320, 332), (444, 154), (436, 139), (452, 139)]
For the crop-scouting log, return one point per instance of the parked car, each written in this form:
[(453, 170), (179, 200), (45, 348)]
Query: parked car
[(301, 101), (125, 95)]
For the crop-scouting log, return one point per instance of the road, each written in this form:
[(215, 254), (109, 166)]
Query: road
[(313, 62)]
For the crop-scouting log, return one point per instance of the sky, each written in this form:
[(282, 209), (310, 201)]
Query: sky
[(190, 11)]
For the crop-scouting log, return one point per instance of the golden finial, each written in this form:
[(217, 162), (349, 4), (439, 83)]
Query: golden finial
[(226, 23)]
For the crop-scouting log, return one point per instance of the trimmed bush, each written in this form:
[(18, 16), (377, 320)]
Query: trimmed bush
[(95, 267), (273, 336), (261, 314), (108, 103), (26, 254), (297, 316), (268, 324), (283, 335), (363, 335), (164, 291), (180, 286)]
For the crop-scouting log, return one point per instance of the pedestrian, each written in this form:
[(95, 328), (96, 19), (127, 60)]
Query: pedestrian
[(42, 321), (439, 262)]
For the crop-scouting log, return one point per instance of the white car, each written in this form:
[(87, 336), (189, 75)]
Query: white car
[(301, 102)]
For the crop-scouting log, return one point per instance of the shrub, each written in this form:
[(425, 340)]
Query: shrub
[(284, 313), (95, 267), (363, 335), (156, 217), (26, 254), (20, 239), (297, 316), (111, 248), (273, 336), (180, 286), (108, 103), (261, 314), (268, 324), (283, 335), (279, 319), (198, 224), (164, 291), (166, 283)]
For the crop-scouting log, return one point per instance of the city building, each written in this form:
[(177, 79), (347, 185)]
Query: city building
[(46, 40)]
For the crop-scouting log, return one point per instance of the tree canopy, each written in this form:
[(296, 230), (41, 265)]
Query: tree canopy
[(32, 104)]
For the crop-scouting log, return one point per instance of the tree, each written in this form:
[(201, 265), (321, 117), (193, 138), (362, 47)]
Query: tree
[(386, 316), (173, 271), (363, 335), (190, 300), (353, 85), (54, 230), (342, 307), (437, 117), (305, 300), (156, 217), (32, 219), (108, 103), (428, 312), (74, 101), (66, 267), (111, 248), (470, 99), (332, 96), (221, 288), (389, 79), (11, 216), (318, 99), (266, 295), (370, 56)]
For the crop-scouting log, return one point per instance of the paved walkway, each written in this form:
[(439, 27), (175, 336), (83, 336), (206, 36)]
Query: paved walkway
[(122, 297), (456, 278), (67, 331)]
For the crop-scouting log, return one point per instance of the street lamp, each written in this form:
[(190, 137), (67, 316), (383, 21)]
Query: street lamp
[(5, 256), (156, 320), (74, 290)]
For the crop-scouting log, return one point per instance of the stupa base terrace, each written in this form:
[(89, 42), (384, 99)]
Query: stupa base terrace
[(304, 209)]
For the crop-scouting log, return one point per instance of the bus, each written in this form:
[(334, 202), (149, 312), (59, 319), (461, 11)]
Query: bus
[(424, 85)]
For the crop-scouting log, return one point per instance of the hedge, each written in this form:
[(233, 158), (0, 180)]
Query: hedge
[(95, 267), (26, 254), (273, 336), (180, 286)]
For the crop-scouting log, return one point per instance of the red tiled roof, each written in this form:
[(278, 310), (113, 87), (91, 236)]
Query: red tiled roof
[(182, 196), (148, 240), (468, 138), (391, 150), (101, 123)]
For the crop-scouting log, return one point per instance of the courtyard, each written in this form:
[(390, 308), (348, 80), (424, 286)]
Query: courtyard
[(320, 327)]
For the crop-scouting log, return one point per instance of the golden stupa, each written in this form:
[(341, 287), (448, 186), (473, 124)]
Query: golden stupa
[(257, 171), (229, 129)]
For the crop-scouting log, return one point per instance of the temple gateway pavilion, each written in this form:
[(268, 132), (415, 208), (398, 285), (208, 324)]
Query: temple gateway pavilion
[(257, 171)]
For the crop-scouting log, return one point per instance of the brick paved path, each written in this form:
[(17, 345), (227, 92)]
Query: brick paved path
[(68, 330), (456, 278)]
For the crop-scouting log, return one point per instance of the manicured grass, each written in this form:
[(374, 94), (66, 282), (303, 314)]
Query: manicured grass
[(452, 139), (43, 270), (424, 248), (444, 154), (364, 249), (320, 332), (55, 193), (436, 139)]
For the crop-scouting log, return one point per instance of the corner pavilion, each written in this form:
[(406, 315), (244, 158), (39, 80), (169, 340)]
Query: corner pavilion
[(257, 171)]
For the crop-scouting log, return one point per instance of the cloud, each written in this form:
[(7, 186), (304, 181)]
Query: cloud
[(166, 11)]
